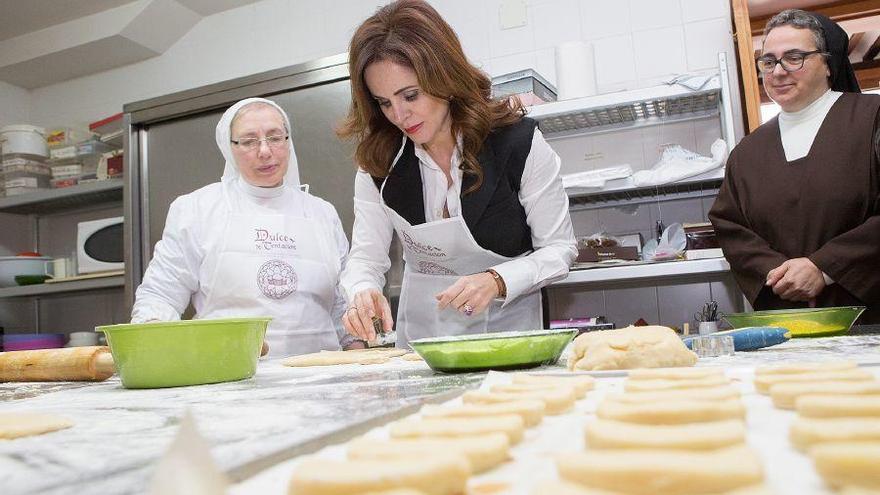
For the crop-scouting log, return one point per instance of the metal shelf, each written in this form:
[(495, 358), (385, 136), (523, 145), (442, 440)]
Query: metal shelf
[(625, 193), (54, 200), (63, 287)]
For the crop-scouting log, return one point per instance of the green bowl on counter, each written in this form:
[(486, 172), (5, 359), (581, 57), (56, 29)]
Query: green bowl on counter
[(808, 322), (190, 352), (493, 351)]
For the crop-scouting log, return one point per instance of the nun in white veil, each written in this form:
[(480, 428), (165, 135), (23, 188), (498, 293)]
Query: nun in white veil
[(253, 244)]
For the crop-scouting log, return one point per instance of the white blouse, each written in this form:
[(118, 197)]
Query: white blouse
[(541, 195)]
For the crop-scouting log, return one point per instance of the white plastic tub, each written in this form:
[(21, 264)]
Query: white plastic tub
[(23, 139), (10, 266)]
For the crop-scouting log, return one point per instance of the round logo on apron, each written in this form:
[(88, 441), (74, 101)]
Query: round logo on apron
[(276, 279)]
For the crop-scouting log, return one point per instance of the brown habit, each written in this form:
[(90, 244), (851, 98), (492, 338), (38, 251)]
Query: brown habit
[(823, 206)]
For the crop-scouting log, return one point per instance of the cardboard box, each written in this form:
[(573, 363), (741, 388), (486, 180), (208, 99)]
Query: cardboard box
[(586, 254)]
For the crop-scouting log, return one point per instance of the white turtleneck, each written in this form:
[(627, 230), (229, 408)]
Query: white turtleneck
[(185, 259), (799, 129)]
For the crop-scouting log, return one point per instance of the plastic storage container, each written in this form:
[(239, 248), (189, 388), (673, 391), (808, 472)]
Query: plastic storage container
[(66, 136), (23, 139)]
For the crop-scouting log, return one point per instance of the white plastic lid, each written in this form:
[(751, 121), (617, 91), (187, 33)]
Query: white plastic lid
[(23, 128)]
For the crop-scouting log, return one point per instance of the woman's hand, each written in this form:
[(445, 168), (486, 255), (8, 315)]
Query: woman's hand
[(358, 318), (797, 279), (471, 294)]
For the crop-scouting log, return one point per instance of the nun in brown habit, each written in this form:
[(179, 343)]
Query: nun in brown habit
[(798, 214)]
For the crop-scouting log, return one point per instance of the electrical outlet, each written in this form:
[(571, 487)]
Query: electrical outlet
[(512, 14)]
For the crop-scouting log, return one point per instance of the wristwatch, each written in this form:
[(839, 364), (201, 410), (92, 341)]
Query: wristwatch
[(502, 287)]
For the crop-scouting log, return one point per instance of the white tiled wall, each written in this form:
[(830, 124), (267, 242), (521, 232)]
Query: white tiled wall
[(636, 44)]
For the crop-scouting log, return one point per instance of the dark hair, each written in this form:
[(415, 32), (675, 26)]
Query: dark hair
[(798, 19), (411, 33)]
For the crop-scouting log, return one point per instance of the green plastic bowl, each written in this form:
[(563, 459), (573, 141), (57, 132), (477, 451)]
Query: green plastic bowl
[(191, 352), (810, 322), (493, 351)]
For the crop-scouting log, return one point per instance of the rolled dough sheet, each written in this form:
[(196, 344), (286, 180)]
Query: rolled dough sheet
[(807, 432), (607, 434), (439, 474), (795, 368), (331, 358), (663, 472), (784, 395), (764, 382), (674, 373), (664, 384), (531, 411), (837, 406), (678, 411), (848, 463), (17, 425), (706, 394), (482, 451), (581, 383), (511, 425), (412, 356), (555, 401)]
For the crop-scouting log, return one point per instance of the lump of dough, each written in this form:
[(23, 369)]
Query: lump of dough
[(581, 383), (607, 434), (531, 411), (708, 393), (795, 368), (686, 384), (674, 373), (806, 432), (764, 382), (439, 474), (17, 425), (511, 425), (785, 394), (672, 412), (848, 463), (838, 406), (663, 472), (629, 348), (555, 401), (330, 358), (482, 451)]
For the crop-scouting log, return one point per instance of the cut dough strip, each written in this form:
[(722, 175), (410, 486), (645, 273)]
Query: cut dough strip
[(440, 474), (838, 406), (17, 425), (607, 434), (531, 411), (482, 451), (705, 394), (511, 425), (806, 432), (674, 373), (795, 368), (848, 463), (330, 358), (660, 384), (785, 394), (679, 411), (764, 382), (663, 472), (555, 401), (581, 383)]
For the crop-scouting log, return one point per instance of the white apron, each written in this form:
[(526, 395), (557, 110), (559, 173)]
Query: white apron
[(436, 254), (278, 266)]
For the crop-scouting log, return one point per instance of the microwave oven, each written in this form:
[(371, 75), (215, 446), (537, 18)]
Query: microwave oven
[(99, 245)]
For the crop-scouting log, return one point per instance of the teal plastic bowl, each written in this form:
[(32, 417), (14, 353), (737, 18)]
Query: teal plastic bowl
[(493, 351), (191, 352)]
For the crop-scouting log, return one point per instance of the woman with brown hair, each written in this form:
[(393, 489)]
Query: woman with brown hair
[(467, 182)]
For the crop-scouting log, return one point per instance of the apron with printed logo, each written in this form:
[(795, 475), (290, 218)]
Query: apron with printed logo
[(279, 266), (436, 254)]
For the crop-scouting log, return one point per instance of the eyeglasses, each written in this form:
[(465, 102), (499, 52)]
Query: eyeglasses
[(791, 62), (250, 144)]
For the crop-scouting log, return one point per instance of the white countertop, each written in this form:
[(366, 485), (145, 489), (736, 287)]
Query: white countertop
[(694, 269)]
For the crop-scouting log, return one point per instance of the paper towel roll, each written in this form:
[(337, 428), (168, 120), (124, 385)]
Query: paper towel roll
[(575, 70)]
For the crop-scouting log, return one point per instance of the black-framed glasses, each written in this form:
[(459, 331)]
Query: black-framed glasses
[(275, 141), (791, 61)]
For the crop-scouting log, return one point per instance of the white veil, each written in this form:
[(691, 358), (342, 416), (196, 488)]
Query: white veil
[(230, 171)]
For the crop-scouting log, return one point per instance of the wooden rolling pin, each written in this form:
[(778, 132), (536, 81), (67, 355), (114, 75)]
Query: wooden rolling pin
[(57, 365)]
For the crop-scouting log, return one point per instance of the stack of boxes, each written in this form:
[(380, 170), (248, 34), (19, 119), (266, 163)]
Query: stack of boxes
[(74, 156), (23, 154)]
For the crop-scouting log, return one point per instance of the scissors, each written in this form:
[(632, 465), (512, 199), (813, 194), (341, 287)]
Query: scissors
[(708, 313)]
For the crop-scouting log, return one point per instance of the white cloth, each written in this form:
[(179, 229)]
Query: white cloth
[(542, 197), (188, 257), (798, 130)]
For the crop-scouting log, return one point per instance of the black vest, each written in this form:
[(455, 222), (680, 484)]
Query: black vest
[(493, 212)]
